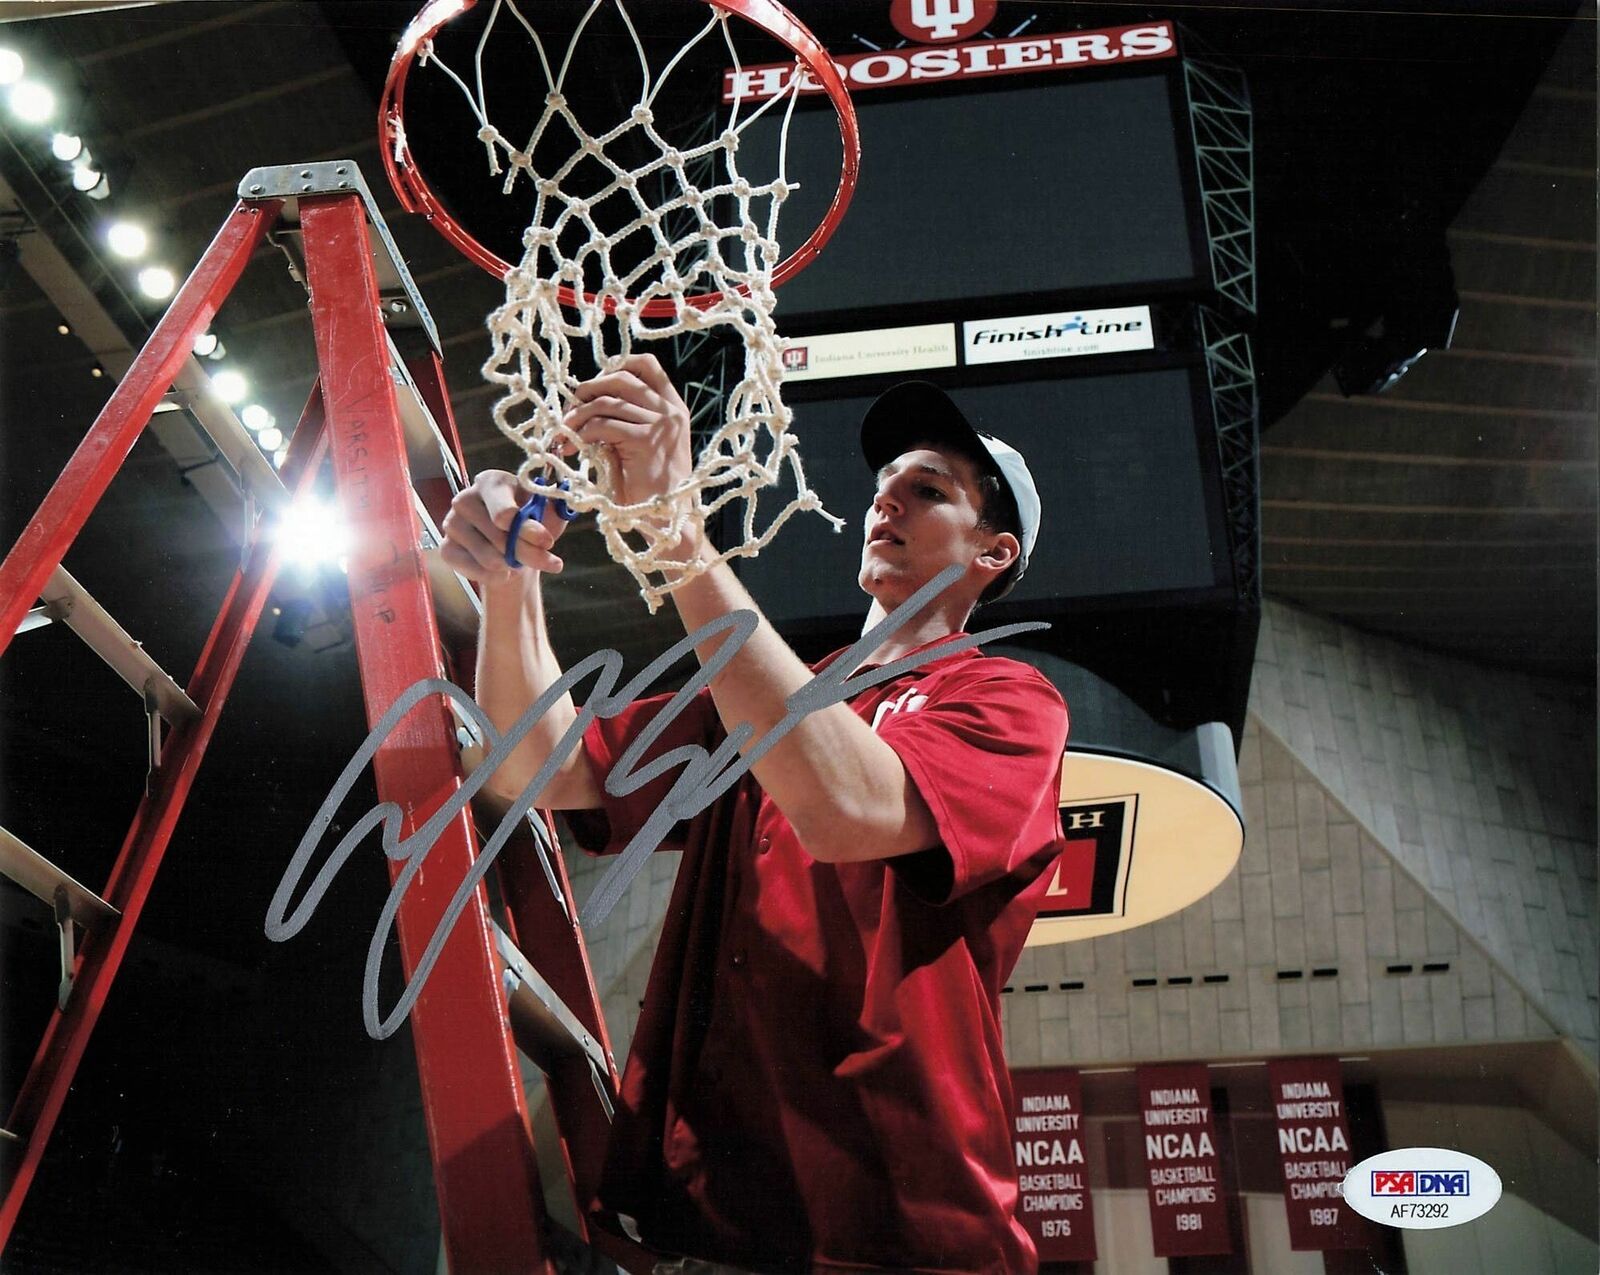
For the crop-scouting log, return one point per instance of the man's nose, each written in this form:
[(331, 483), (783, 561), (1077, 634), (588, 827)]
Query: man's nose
[(887, 500)]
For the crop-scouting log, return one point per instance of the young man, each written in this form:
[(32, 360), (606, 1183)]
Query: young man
[(817, 1081)]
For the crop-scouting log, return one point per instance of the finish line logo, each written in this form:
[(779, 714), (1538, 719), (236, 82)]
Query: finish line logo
[(1059, 335)]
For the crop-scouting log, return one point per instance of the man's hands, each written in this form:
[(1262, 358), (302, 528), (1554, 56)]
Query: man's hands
[(636, 412), (475, 530), (639, 414)]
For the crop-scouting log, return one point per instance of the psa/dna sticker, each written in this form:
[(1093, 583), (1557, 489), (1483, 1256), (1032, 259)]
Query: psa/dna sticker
[(1422, 1188)]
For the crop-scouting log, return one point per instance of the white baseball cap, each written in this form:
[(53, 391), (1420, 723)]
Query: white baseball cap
[(919, 411)]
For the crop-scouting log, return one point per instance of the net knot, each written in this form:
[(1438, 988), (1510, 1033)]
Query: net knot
[(549, 187), (521, 159), (729, 141), (555, 101), (742, 189), (673, 156), (642, 114)]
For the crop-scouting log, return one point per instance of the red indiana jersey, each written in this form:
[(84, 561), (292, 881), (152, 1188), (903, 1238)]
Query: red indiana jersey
[(817, 1080)]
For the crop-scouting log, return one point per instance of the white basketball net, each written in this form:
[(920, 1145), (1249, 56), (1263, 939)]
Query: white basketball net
[(533, 335)]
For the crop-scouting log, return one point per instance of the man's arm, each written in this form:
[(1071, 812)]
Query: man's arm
[(844, 790), (515, 660)]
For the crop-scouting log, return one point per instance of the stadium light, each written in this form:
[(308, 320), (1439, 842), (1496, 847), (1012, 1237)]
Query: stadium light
[(313, 533), (231, 387), (31, 101), (127, 239), (157, 283)]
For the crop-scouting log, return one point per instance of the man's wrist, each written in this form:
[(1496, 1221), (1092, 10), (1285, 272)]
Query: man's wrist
[(693, 543), (518, 588)]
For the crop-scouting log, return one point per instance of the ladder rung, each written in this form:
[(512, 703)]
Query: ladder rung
[(454, 602), (68, 601), (192, 390), (545, 1029), (426, 450), (37, 875)]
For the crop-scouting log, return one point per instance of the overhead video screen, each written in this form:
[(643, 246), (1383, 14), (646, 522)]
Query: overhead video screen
[(1117, 462), (1059, 185)]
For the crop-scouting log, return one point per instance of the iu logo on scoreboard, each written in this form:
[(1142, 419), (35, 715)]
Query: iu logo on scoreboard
[(935, 21), (796, 358)]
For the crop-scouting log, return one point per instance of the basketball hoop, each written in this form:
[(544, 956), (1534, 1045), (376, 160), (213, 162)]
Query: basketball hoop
[(713, 275)]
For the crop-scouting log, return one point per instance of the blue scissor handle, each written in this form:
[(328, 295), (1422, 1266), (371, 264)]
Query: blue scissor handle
[(535, 509)]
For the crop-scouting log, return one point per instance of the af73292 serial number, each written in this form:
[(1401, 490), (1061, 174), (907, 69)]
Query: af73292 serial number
[(1420, 1209)]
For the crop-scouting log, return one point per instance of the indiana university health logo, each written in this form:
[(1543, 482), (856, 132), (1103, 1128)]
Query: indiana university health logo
[(933, 21)]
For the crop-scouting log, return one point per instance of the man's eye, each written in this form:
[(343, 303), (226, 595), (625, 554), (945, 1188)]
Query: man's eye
[(931, 493)]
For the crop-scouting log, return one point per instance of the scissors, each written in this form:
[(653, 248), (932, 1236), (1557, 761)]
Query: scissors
[(535, 509)]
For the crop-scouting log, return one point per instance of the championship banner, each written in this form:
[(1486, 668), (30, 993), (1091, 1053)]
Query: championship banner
[(1053, 1205), (1188, 1215), (1314, 1150)]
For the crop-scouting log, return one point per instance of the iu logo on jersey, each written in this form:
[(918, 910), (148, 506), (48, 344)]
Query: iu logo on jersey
[(934, 21)]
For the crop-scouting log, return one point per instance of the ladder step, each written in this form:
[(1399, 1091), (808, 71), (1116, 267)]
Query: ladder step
[(69, 602), (545, 1029), (454, 603), (35, 619), (37, 875), (426, 450)]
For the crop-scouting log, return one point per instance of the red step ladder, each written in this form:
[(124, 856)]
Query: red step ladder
[(385, 421)]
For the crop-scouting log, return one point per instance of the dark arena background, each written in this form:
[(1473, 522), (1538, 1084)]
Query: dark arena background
[(1292, 310)]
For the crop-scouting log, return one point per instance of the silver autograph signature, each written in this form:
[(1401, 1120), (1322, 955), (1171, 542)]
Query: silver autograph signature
[(705, 776)]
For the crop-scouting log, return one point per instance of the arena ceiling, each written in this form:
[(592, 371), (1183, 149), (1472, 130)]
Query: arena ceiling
[(1456, 511)]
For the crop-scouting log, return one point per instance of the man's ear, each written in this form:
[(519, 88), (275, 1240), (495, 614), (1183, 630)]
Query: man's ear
[(1002, 553)]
